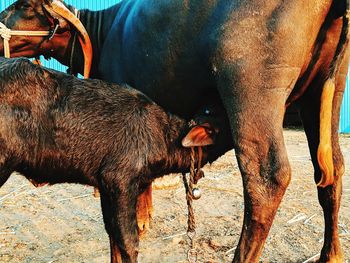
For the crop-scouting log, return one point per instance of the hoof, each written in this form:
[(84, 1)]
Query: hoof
[(143, 226), (144, 219), (96, 192), (144, 212)]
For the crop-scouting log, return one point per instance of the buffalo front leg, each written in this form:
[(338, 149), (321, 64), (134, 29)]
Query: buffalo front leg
[(330, 196)]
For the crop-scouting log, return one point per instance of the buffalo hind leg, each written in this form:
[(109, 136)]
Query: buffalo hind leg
[(119, 215), (266, 174), (330, 196), (263, 162)]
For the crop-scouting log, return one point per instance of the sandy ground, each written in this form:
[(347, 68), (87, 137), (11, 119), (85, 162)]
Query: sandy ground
[(63, 223)]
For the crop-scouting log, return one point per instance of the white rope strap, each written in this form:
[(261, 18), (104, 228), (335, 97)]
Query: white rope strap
[(7, 33)]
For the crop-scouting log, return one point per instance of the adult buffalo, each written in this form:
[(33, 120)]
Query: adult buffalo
[(256, 56)]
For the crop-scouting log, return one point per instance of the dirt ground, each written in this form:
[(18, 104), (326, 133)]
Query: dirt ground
[(63, 223)]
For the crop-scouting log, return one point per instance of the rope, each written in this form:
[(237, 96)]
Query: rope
[(7, 33), (190, 186), (191, 224)]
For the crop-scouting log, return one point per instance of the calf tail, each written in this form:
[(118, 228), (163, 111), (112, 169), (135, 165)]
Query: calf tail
[(324, 152)]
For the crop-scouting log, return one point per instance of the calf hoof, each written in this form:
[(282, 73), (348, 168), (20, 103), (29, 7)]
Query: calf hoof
[(144, 216), (167, 182), (96, 192), (144, 219), (143, 225)]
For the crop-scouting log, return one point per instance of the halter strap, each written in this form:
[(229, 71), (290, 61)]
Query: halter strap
[(70, 69), (7, 33)]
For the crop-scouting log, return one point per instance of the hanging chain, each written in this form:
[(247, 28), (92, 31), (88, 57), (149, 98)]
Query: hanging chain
[(191, 191)]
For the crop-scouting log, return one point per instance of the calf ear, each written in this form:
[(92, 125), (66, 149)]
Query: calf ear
[(200, 135)]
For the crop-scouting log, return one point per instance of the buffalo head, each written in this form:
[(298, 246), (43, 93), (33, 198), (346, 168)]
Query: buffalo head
[(43, 15)]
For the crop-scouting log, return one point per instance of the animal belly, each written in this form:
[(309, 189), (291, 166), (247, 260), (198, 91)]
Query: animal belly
[(181, 94), (54, 175)]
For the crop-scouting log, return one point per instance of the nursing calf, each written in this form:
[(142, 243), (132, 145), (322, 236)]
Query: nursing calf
[(56, 128)]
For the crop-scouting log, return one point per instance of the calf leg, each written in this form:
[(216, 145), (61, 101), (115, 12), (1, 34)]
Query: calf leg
[(4, 175), (119, 214), (144, 210), (5, 171), (329, 197)]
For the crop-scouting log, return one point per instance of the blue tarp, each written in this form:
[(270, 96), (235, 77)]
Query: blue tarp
[(345, 109)]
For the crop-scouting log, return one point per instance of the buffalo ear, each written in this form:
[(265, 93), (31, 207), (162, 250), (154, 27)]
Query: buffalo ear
[(199, 135), (64, 16)]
